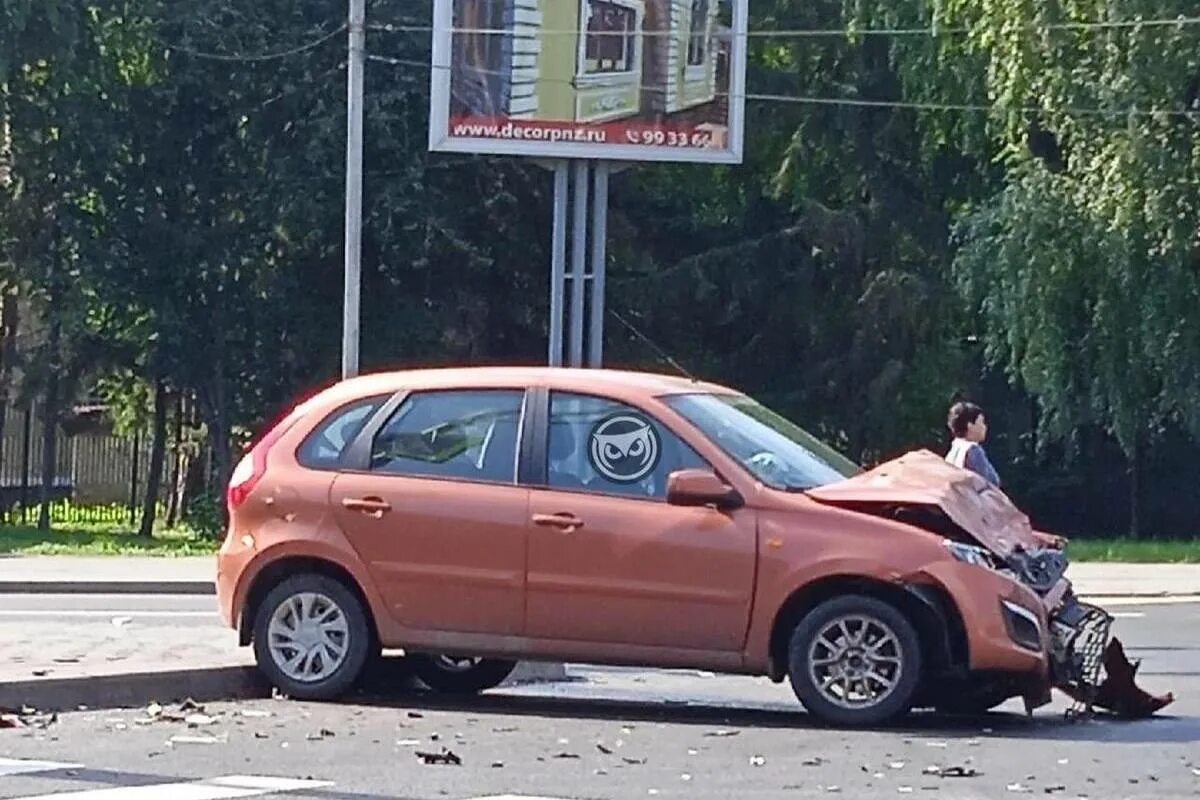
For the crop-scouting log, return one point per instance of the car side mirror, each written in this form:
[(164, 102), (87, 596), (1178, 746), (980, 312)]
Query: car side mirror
[(701, 487)]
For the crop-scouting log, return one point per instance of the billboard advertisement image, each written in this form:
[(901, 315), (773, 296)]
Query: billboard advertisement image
[(629, 80)]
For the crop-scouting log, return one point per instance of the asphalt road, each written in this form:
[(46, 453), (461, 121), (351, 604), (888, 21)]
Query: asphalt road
[(610, 735)]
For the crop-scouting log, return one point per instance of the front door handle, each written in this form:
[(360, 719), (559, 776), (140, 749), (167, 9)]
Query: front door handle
[(567, 523), (373, 506)]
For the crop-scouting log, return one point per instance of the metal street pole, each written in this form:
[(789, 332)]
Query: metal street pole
[(354, 188)]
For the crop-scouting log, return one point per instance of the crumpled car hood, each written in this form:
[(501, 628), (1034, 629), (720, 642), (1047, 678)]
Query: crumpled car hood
[(926, 479)]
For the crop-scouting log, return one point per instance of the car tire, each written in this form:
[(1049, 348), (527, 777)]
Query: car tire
[(450, 675), (312, 637), (855, 661)]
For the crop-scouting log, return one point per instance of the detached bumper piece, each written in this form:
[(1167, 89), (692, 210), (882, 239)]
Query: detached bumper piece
[(1082, 652)]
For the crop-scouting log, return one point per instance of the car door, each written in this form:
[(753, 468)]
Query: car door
[(435, 512), (610, 561)]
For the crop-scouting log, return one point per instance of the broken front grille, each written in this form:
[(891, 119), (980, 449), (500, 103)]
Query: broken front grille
[(1081, 634)]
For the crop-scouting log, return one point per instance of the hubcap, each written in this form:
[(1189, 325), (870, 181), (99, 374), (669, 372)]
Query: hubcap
[(456, 663), (856, 661), (308, 637)]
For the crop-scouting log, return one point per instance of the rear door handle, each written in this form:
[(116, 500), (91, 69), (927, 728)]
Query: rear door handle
[(567, 523), (374, 506)]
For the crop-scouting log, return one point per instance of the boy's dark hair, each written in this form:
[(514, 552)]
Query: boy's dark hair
[(961, 416)]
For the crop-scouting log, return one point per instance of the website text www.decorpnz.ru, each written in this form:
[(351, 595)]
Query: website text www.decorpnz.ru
[(618, 133)]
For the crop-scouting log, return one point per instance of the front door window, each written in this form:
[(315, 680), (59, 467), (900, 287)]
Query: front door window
[(605, 447)]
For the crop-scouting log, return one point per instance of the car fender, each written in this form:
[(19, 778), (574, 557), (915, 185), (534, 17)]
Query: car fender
[(342, 557)]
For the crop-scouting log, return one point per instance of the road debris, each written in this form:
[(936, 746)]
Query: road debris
[(721, 734), (1055, 789), (255, 713), (445, 758), (26, 717), (1018, 788), (607, 751), (199, 720), (197, 739), (633, 762), (815, 761), (565, 756), (408, 743), (757, 761), (957, 771)]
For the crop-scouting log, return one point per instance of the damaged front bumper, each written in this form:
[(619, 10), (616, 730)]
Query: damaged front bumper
[(1086, 662)]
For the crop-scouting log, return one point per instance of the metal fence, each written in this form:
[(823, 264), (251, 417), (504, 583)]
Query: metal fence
[(98, 477)]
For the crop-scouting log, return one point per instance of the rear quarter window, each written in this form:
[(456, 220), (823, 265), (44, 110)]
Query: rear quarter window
[(324, 446)]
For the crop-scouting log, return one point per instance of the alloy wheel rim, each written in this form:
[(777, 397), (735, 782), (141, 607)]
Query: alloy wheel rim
[(308, 637), (856, 661)]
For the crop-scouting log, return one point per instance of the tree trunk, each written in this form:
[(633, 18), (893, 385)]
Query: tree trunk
[(50, 416), (1135, 489), (177, 467), (158, 454), (8, 333)]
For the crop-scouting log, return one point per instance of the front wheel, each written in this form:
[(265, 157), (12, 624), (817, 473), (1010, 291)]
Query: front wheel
[(312, 637), (460, 674), (855, 661)]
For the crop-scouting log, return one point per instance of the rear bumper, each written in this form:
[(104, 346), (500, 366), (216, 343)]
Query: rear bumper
[(232, 560)]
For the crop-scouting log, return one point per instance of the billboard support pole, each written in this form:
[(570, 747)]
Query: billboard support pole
[(578, 261), (351, 300), (558, 262), (599, 264)]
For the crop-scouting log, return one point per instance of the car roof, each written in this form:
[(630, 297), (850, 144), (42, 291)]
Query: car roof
[(616, 382)]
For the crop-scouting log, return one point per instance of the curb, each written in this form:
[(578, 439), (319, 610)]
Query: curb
[(109, 587), (202, 685)]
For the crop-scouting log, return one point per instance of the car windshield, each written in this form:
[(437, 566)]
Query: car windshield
[(779, 453)]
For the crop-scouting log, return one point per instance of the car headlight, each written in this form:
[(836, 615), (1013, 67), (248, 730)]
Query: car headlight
[(970, 554)]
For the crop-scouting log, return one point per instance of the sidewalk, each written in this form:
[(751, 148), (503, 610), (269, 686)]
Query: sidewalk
[(137, 575), (107, 575)]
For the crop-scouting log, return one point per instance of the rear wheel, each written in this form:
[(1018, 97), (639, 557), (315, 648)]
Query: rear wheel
[(460, 674), (855, 661), (312, 637)]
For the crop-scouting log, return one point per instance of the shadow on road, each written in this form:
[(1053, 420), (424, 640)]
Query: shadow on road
[(400, 691)]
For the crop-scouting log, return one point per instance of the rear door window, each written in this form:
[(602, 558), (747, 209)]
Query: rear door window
[(459, 435), (324, 446)]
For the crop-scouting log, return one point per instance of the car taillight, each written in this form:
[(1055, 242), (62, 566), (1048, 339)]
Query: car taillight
[(253, 466)]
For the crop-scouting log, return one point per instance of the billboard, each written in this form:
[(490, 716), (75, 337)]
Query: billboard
[(625, 80)]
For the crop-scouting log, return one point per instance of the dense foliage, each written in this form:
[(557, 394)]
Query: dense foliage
[(1003, 203)]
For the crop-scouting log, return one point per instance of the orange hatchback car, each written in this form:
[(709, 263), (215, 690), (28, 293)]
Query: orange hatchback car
[(474, 517)]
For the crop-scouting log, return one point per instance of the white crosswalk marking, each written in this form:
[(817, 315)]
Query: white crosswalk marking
[(16, 766), (516, 797), (226, 788)]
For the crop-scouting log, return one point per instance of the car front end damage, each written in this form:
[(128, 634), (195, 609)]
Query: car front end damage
[(1040, 628)]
